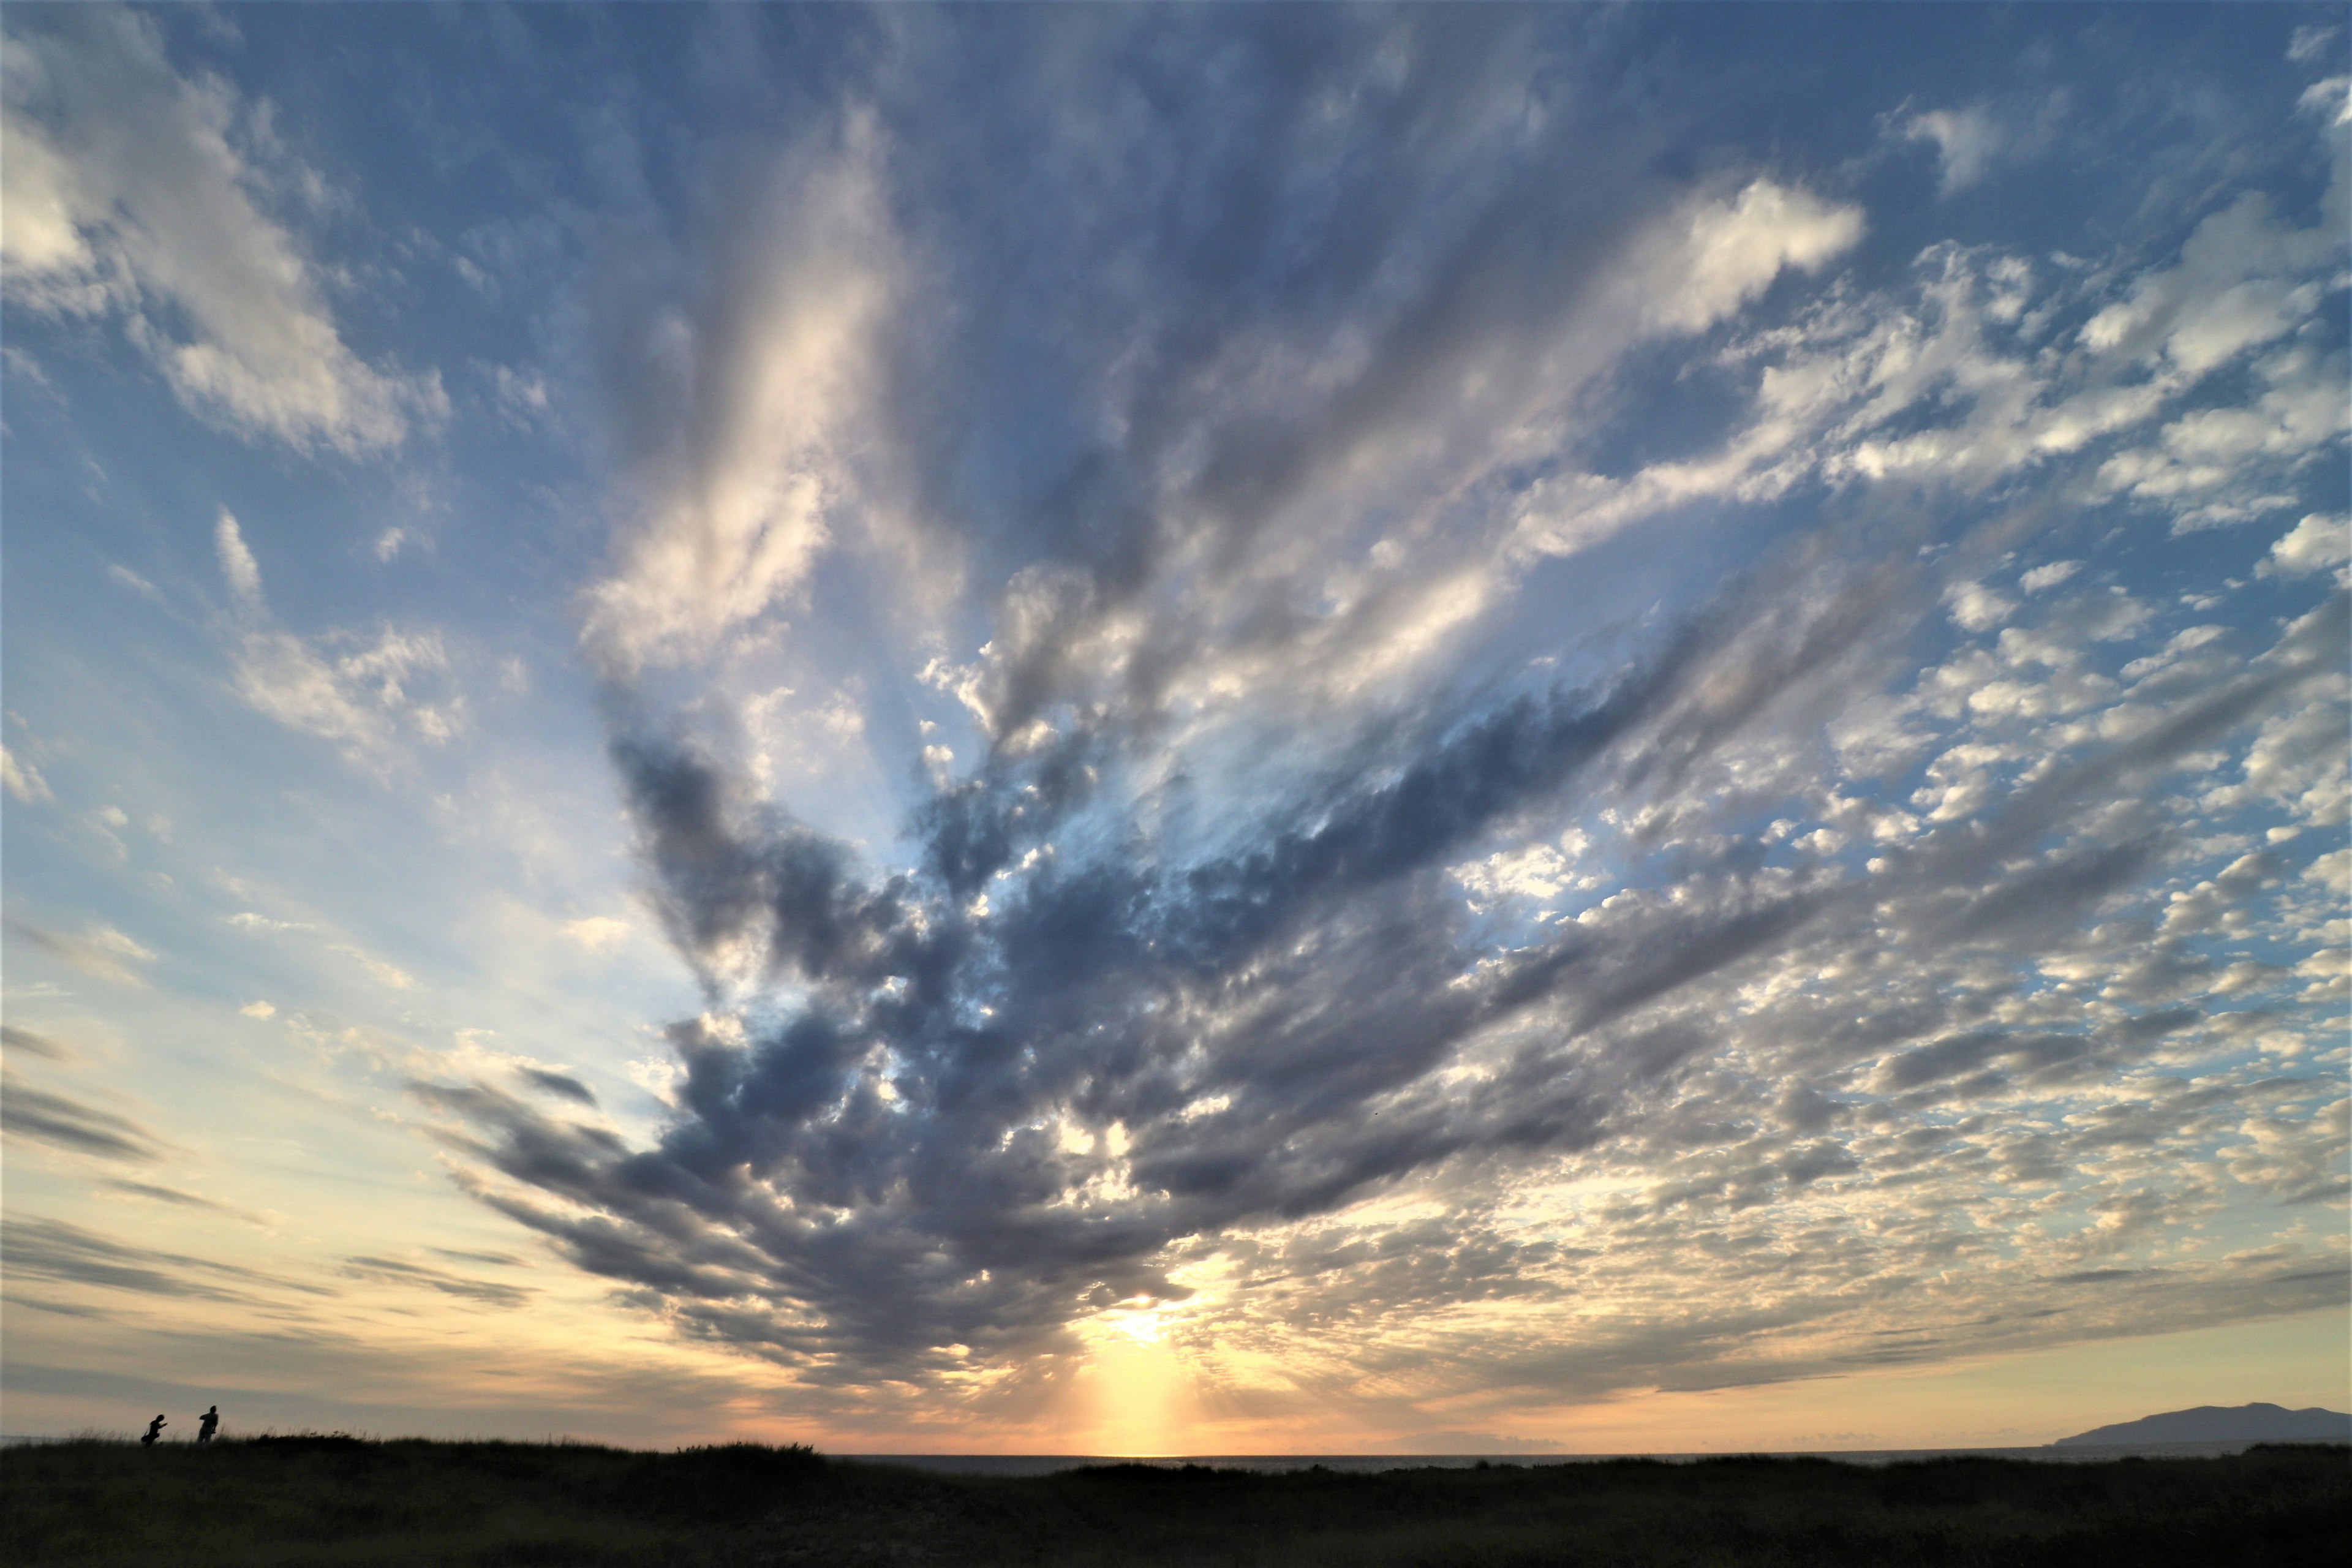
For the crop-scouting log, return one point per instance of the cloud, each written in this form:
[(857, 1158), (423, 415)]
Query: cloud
[(129, 579), (2315, 543), (33, 1044), (101, 951), (745, 428), (285, 678), (978, 1125), (2308, 43), (391, 1271), (561, 1085), (521, 399), (2233, 288), (66, 1123), (23, 780), (1976, 607), (387, 974), (1968, 140), (239, 569), (342, 686), (127, 197), (1727, 252), (597, 932), (1340, 923), (177, 1198), (68, 1254), (1949, 388), (2330, 100)]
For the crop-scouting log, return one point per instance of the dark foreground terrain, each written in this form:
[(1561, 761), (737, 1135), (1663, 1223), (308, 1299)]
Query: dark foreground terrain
[(340, 1500)]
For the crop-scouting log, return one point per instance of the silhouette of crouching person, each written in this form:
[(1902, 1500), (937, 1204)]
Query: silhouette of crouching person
[(154, 1430), (208, 1425)]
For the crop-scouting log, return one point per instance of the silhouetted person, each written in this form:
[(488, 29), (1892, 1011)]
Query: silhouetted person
[(154, 1430), (208, 1425)]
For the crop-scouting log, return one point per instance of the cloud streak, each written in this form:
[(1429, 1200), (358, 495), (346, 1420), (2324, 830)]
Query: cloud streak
[(67, 1123)]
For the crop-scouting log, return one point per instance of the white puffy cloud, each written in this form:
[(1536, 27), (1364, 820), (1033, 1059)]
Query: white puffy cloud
[(2237, 284), (126, 196), (2318, 542), (1716, 255), (2296, 763), (1976, 607)]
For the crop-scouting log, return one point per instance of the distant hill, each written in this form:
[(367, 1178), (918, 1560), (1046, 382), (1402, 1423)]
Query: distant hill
[(2224, 1423)]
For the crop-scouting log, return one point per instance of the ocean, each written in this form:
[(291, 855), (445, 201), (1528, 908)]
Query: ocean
[(1362, 1464)]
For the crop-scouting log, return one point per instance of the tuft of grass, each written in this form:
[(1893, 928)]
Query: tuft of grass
[(333, 1499)]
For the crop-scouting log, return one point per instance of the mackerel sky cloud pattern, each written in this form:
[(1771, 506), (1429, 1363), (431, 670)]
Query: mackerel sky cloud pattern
[(1450, 711)]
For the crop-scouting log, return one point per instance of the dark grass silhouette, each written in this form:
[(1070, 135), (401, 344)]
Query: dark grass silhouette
[(342, 1500)]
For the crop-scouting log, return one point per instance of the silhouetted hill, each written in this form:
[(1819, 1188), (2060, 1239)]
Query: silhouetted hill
[(2224, 1423)]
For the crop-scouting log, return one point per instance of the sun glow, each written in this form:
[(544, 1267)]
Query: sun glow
[(1139, 1392)]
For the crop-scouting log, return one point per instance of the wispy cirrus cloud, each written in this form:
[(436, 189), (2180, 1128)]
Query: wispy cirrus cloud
[(59, 1252), (65, 1122), (359, 693), (743, 409), (24, 780), (99, 950)]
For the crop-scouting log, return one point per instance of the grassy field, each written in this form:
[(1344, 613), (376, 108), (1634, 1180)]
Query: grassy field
[(505, 1505)]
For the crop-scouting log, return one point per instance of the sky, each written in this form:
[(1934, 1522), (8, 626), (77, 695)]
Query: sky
[(1118, 731)]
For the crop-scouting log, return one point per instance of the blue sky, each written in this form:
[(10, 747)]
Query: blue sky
[(1105, 729)]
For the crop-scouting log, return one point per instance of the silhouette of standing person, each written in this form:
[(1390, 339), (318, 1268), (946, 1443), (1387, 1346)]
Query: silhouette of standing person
[(208, 1425), (154, 1430)]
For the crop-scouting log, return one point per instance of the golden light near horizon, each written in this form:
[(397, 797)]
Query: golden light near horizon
[(1137, 729), (1142, 1398)]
